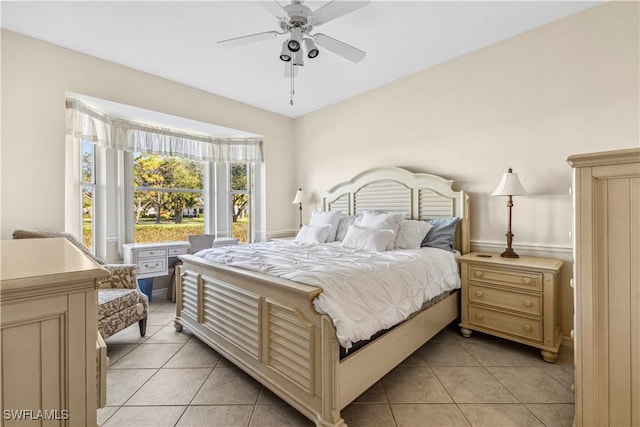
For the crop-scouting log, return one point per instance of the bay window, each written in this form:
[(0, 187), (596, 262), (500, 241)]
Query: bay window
[(158, 184)]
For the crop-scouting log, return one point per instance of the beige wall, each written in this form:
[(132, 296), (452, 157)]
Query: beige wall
[(35, 77), (527, 102)]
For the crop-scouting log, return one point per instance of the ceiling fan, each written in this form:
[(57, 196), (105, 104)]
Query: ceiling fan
[(297, 21)]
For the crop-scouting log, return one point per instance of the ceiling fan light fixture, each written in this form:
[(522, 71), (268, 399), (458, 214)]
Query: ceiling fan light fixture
[(285, 54), (310, 46), (298, 58), (295, 42)]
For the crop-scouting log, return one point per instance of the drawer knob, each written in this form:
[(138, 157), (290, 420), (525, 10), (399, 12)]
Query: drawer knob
[(478, 316), (479, 293), (526, 280), (527, 303), (478, 273), (527, 327)]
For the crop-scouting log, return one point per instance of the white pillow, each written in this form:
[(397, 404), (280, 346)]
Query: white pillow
[(313, 233), (368, 239), (331, 218), (383, 221), (411, 233), (343, 225)]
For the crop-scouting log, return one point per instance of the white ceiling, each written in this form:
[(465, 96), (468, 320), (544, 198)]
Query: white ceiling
[(177, 41)]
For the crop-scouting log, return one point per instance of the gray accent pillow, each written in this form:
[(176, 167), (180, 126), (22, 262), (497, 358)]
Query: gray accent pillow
[(442, 235)]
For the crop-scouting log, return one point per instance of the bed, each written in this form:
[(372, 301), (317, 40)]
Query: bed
[(268, 326)]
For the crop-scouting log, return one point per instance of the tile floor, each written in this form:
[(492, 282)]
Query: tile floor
[(172, 379)]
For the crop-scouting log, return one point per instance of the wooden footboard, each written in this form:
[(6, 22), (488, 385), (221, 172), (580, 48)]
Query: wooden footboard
[(268, 327)]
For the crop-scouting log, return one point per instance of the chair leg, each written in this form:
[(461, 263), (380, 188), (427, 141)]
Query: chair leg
[(143, 327)]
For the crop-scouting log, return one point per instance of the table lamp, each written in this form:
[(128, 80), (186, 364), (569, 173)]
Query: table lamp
[(509, 186)]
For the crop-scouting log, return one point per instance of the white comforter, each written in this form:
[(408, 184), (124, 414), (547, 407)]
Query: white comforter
[(363, 292)]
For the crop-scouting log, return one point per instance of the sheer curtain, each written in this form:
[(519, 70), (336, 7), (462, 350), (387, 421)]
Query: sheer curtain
[(84, 123)]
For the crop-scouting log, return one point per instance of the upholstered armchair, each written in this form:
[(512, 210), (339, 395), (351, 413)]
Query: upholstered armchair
[(120, 301)]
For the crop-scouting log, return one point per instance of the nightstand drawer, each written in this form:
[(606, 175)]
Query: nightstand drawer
[(511, 300), (152, 265), (513, 324), (529, 280), (178, 251), (152, 253)]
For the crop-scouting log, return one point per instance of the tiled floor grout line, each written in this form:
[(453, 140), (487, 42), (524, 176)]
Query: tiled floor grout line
[(149, 379), (197, 391), (516, 397), (388, 402), (449, 394)]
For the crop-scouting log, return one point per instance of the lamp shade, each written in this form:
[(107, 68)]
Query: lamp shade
[(299, 197), (509, 185)]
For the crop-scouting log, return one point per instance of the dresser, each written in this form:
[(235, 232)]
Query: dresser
[(512, 298), (50, 347), (606, 189), (153, 258)]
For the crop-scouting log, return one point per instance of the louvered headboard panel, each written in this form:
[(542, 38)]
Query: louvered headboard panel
[(383, 196), (340, 204), (433, 205), (422, 196)]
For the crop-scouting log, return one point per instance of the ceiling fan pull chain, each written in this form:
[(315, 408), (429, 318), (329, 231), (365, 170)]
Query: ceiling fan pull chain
[(293, 91)]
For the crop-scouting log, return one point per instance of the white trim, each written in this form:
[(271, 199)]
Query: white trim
[(279, 234), (499, 246)]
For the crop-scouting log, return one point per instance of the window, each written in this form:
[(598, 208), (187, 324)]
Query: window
[(168, 198), (88, 192), (240, 191), (126, 178)]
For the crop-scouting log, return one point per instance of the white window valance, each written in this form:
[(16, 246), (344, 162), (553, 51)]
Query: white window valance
[(89, 124)]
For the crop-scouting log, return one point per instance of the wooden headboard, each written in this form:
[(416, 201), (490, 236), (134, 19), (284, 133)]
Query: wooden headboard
[(423, 196)]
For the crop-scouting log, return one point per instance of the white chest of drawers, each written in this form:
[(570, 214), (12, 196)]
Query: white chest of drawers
[(153, 258), (512, 298)]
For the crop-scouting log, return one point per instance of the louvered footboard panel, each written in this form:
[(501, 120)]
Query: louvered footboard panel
[(233, 314), (190, 294), (291, 345)]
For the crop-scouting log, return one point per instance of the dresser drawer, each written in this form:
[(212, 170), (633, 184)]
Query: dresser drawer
[(502, 298), (152, 253), (529, 280), (152, 265), (178, 251), (513, 324)]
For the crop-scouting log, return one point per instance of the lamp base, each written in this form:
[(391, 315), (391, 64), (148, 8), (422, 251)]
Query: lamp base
[(509, 253)]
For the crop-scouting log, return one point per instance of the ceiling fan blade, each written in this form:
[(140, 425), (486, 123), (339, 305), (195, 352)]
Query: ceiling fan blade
[(335, 9), (240, 41), (287, 70), (274, 8), (339, 48)]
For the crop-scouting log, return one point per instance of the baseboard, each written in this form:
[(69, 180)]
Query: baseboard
[(567, 342), (159, 293), (280, 234)]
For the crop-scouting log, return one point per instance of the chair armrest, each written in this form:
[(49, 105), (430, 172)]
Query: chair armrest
[(123, 276)]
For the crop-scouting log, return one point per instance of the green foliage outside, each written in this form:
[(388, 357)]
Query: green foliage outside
[(159, 213), (166, 172), (149, 231)]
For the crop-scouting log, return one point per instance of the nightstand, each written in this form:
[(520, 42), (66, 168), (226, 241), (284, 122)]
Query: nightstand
[(512, 298)]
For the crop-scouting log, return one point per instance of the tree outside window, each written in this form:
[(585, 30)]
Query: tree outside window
[(168, 198), (88, 187), (240, 200)]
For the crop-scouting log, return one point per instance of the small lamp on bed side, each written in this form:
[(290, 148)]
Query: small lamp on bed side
[(509, 186), (298, 201)]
